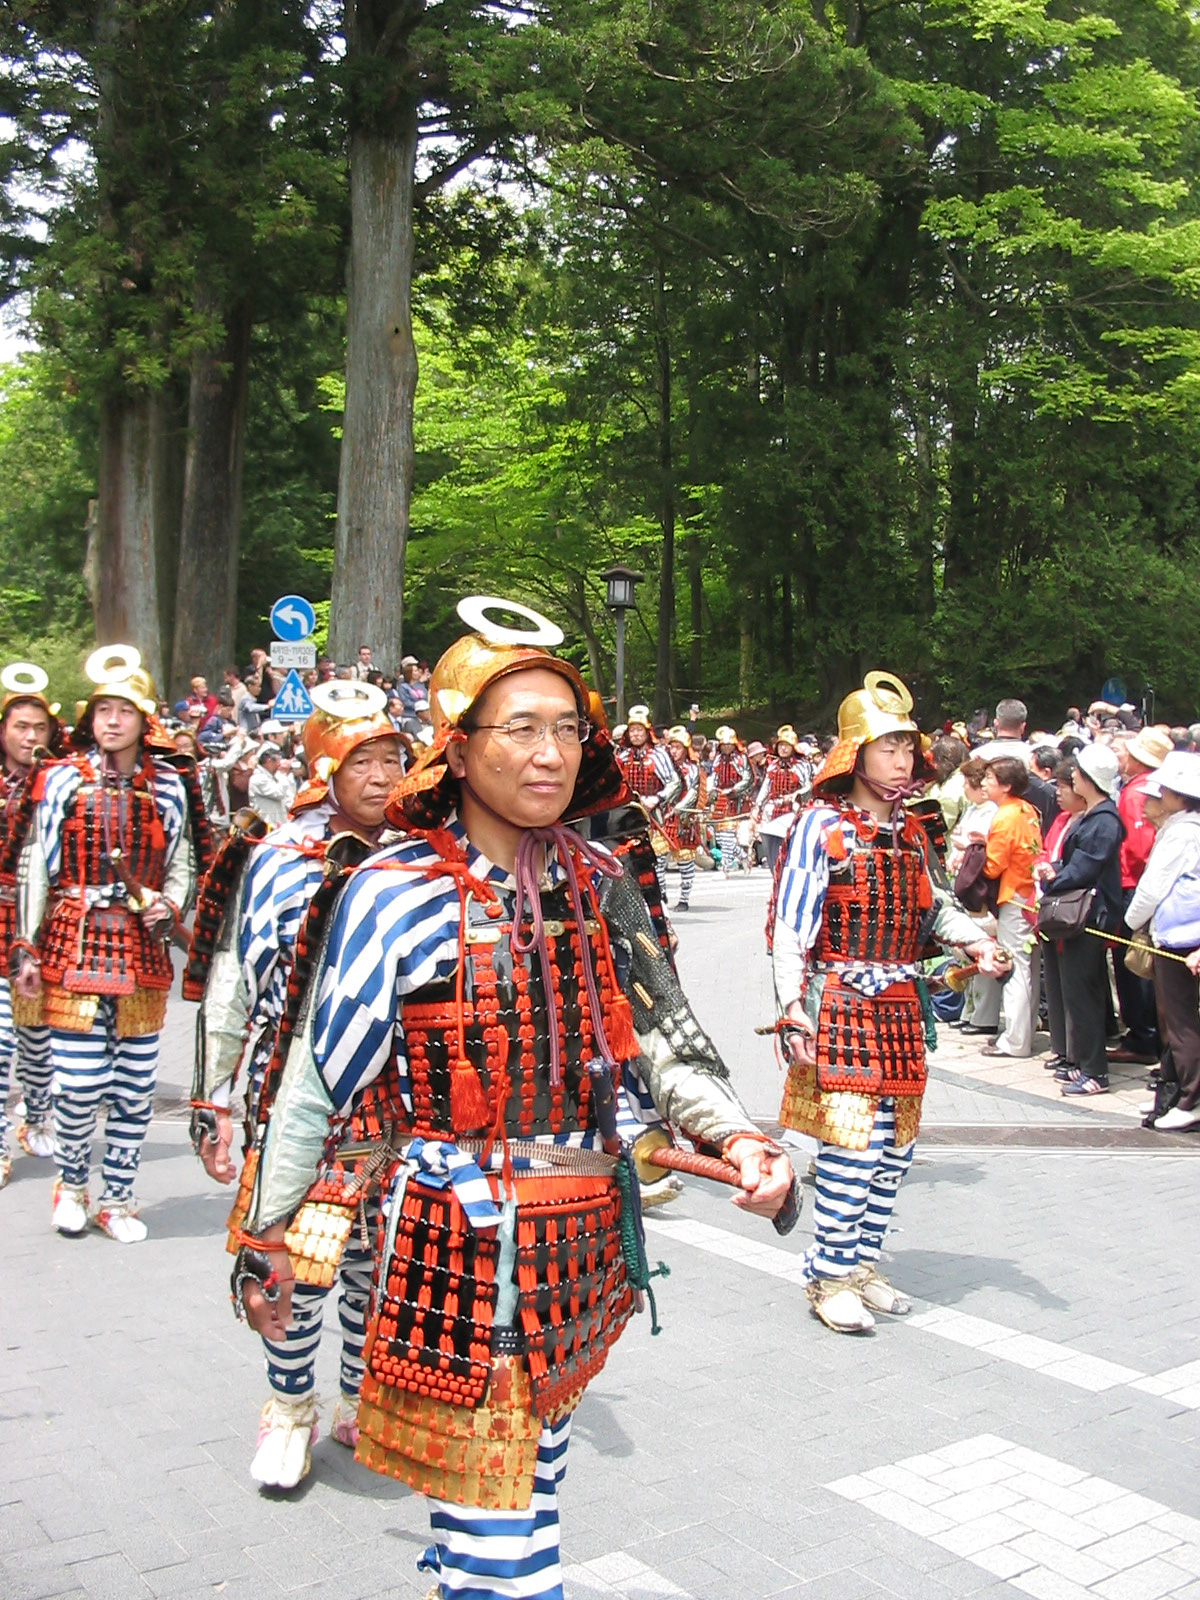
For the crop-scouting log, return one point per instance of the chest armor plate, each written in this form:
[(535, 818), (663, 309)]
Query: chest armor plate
[(873, 905), (508, 1014), (106, 950), (784, 779), (638, 767)]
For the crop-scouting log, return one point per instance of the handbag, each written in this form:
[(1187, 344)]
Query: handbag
[(1139, 956), (1177, 920), (973, 891), (1062, 916)]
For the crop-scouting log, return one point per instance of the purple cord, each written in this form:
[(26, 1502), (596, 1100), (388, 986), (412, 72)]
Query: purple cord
[(526, 875)]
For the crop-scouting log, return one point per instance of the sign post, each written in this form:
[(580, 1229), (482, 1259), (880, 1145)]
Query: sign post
[(292, 621), (292, 703)]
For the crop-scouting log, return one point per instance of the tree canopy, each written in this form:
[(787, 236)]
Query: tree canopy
[(869, 333)]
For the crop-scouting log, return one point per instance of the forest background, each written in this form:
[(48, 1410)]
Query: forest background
[(868, 332)]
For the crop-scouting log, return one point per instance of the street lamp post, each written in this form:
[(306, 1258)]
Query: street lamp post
[(619, 598)]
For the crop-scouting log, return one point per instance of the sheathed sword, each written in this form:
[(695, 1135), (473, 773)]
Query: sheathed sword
[(140, 899), (654, 1154)]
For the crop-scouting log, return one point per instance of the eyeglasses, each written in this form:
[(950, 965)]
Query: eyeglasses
[(527, 733)]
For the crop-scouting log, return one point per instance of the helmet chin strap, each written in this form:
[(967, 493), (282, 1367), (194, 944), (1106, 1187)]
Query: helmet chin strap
[(893, 795)]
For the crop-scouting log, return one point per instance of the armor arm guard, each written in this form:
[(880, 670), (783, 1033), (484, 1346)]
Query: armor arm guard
[(671, 788), (742, 786), (951, 924), (252, 1266), (33, 888), (679, 1064), (224, 1022), (296, 1135), (691, 790), (179, 884)]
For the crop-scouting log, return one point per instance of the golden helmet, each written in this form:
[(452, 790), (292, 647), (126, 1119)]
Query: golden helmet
[(346, 713), (725, 734), (883, 705), (468, 668), (679, 735), (21, 680), (639, 715), (118, 674), (787, 735)]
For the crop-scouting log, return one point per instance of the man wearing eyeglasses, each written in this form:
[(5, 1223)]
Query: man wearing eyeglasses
[(490, 987)]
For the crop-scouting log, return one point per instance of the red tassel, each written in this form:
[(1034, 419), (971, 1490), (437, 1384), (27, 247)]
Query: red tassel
[(835, 844), (468, 1103), (618, 1029)]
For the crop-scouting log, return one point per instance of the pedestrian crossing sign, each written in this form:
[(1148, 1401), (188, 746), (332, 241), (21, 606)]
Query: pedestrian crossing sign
[(292, 703)]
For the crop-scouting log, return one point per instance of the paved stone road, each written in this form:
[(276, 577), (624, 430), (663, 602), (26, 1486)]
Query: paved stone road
[(1033, 1428)]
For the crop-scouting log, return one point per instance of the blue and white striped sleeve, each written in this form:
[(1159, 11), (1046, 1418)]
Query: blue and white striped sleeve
[(275, 894), (669, 781), (803, 881), (61, 784), (391, 935)]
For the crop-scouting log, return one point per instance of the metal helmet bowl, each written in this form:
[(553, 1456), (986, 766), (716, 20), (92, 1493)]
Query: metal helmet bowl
[(346, 714), (883, 705)]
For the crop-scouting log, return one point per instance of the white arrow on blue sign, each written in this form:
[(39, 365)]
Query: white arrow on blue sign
[(292, 703), (292, 618)]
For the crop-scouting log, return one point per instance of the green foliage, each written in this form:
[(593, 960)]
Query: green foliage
[(890, 315)]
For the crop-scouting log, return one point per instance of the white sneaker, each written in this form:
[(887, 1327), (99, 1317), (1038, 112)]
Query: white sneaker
[(37, 1142), (838, 1305), (70, 1213), (120, 1221), (878, 1294), (343, 1427), (1145, 1107), (661, 1193), (1177, 1120), (287, 1431)]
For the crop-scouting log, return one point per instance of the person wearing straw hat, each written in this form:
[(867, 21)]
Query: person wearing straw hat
[(856, 905), (1089, 861), (29, 732), (783, 787), (106, 873), (354, 761), (731, 780), (1140, 759), (684, 822), (487, 985), (1166, 899)]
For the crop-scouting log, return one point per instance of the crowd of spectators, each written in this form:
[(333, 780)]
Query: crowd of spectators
[(1105, 811), (248, 757), (1080, 851)]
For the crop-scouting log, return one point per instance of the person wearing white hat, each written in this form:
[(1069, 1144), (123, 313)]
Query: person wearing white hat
[(1163, 900), (1139, 760), (1089, 861), (731, 780), (108, 868)]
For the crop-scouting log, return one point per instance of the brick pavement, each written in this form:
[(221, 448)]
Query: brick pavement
[(701, 1460)]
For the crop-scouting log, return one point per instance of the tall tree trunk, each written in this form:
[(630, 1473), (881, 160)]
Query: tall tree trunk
[(695, 566), (210, 530), (135, 510), (376, 471), (666, 501), (745, 650)]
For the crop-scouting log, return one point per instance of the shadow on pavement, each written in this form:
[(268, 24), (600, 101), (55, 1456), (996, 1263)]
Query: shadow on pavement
[(947, 1278)]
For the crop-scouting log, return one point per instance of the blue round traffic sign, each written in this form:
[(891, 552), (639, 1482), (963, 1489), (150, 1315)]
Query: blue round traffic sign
[(292, 618), (1113, 692)]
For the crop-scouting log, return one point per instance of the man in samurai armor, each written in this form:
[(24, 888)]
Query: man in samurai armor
[(106, 873), (856, 905), (731, 779), (785, 784), (485, 986), (29, 732), (683, 824), (248, 921), (650, 774)]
